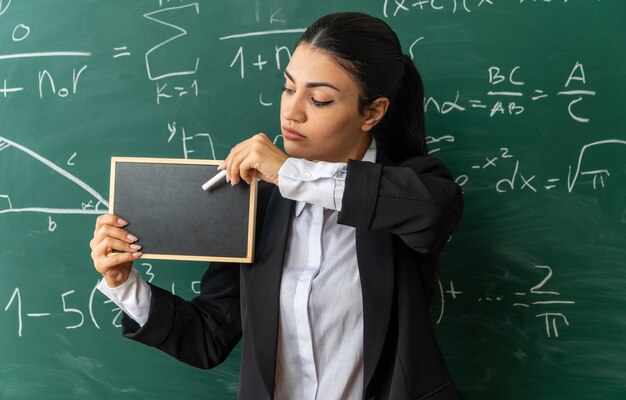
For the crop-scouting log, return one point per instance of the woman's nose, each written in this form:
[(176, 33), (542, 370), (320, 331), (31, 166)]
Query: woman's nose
[(293, 109)]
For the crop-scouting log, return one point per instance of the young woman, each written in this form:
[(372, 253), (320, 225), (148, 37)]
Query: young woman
[(351, 220)]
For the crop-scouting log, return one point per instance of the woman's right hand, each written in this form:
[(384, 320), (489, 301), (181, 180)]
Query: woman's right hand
[(109, 236)]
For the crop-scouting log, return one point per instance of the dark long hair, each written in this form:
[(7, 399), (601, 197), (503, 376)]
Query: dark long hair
[(370, 51)]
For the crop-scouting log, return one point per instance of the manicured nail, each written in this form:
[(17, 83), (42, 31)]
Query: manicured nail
[(137, 254), (132, 237), (135, 246), (121, 222)]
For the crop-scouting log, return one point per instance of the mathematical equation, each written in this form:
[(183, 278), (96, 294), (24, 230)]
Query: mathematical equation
[(158, 66), (548, 302), (501, 106), (69, 310), (518, 179), (394, 8)]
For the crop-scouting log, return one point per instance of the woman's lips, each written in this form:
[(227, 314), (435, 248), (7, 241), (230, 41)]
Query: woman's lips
[(292, 134)]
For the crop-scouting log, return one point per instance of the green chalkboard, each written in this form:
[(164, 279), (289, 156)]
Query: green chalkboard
[(525, 103)]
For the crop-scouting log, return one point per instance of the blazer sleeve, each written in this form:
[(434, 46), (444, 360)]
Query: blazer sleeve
[(201, 332), (416, 200)]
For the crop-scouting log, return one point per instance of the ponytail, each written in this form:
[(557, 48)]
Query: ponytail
[(402, 133)]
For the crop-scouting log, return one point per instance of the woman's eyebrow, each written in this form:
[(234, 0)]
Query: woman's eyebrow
[(312, 84)]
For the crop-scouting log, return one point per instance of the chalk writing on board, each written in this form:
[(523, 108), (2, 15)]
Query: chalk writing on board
[(6, 206), (70, 308), (52, 225), (174, 131), (277, 57), (401, 7), (20, 32), (5, 90), (44, 75), (502, 106), (393, 8), (70, 161), (45, 54), (263, 103), (159, 68), (413, 45), (550, 317), (121, 52), (239, 61), (452, 292), (152, 16), (46, 79), (550, 310), (273, 18), (4, 7), (430, 140), (16, 297), (571, 180), (518, 179), (67, 306), (165, 91)]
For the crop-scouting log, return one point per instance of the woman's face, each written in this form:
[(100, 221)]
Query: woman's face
[(319, 114)]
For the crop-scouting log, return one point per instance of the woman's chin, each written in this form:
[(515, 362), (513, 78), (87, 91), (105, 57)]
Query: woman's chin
[(293, 150)]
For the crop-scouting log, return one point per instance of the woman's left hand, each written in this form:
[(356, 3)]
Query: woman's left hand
[(256, 157)]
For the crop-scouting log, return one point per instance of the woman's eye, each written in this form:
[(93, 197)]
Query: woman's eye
[(317, 103), (321, 103)]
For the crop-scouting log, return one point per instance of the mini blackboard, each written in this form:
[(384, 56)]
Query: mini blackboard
[(174, 218)]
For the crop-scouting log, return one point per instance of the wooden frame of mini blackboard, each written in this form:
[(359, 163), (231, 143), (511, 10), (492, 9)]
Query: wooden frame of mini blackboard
[(248, 258)]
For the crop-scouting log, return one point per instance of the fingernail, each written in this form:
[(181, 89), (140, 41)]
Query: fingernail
[(137, 254), (121, 222), (135, 246), (132, 237)]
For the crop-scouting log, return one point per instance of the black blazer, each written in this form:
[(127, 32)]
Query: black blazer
[(403, 215)]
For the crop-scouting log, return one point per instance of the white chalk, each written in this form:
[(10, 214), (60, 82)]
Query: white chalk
[(213, 181)]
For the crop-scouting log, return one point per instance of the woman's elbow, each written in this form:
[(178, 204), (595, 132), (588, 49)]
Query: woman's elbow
[(432, 238)]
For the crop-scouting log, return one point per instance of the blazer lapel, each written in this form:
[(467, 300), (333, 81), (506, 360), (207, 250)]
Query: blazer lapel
[(375, 257), (263, 286)]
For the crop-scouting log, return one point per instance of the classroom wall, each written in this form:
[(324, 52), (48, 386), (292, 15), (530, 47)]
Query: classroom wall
[(524, 103)]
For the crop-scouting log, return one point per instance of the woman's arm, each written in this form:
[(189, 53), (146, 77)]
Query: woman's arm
[(201, 332), (417, 200)]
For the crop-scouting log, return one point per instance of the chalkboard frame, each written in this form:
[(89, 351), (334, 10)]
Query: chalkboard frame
[(252, 194)]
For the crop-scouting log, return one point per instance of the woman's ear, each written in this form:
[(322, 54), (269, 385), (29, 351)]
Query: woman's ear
[(373, 113)]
